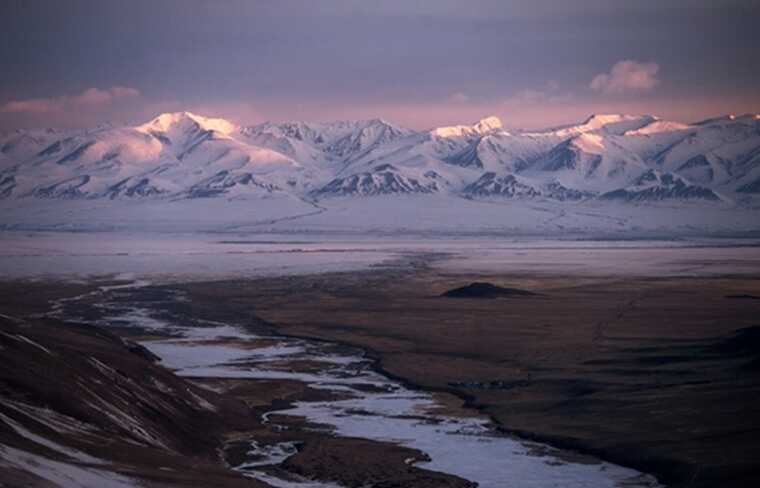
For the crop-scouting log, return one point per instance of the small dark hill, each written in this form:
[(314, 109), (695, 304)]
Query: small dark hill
[(485, 290)]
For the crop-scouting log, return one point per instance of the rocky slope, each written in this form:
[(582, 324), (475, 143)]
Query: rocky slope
[(82, 407)]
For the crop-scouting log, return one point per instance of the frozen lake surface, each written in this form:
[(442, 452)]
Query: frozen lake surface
[(178, 257)]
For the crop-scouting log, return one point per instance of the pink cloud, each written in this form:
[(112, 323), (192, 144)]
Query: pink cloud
[(124, 91), (546, 94), (91, 96), (627, 76), (459, 97), (35, 105)]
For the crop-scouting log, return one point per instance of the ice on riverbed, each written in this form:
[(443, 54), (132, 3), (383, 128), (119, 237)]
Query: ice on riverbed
[(465, 447), (460, 446), (268, 454)]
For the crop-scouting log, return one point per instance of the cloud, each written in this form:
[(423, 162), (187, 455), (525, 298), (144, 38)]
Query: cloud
[(548, 93), (89, 97), (459, 97), (124, 91), (36, 105), (627, 76)]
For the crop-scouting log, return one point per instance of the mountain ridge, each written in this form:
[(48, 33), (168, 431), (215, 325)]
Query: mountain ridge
[(182, 155)]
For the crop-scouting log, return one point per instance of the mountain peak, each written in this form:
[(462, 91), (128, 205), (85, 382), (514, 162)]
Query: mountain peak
[(169, 120), (488, 124), (600, 120), (481, 127), (658, 127), (748, 118), (378, 121), (612, 123)]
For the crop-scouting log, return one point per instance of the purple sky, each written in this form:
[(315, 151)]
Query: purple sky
[(420, 63)]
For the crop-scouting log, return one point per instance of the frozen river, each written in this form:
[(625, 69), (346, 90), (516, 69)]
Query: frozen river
[(369, 405)]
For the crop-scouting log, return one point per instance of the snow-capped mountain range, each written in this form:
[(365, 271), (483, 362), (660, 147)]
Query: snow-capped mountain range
[(618, 172), (183, 155)]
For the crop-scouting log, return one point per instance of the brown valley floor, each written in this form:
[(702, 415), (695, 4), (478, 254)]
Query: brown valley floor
[(658, 374)]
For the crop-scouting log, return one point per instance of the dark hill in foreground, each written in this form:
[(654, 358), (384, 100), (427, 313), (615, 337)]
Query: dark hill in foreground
[(79, 403)]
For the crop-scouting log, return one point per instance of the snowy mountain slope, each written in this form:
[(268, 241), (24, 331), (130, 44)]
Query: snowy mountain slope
[(725, 154), (172, 155), (20, 145), (605, 123), (504, 186), (491, 185), (657, 126), (721, 153), (503, 151), (655, 185), (332, 144), (589, 162), (383, 179), (602, 154), (426, 162)]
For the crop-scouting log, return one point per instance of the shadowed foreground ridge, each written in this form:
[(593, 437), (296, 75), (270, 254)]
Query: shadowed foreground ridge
[(80, 406)]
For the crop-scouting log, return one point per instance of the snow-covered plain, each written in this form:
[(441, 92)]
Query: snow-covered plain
[(199, 257), (384, 214), (174, 257)]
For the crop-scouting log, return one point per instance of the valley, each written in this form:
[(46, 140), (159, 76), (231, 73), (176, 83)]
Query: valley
[(585, 352)]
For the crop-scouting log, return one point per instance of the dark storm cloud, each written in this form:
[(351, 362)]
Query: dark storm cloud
[(424, 62)]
